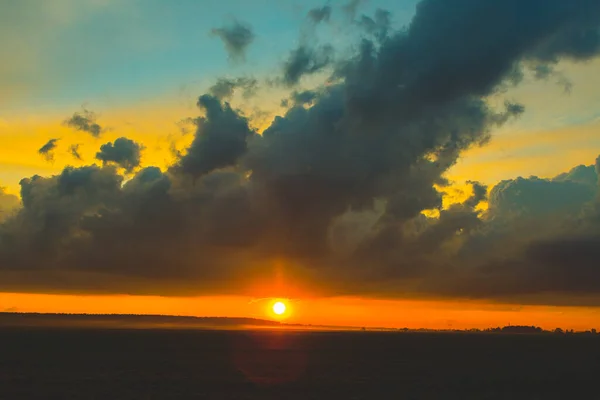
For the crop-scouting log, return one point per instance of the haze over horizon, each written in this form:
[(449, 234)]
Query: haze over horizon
[(375, 163)]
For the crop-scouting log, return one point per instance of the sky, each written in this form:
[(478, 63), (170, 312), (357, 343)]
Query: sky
[(398, 163)]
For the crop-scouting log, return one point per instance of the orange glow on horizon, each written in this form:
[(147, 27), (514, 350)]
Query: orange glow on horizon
[(331, 311)]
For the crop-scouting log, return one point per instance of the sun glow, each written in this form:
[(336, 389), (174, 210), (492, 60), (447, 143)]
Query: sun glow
[(279, 308)]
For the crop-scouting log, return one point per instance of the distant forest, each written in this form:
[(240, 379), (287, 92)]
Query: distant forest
[(16, 319)]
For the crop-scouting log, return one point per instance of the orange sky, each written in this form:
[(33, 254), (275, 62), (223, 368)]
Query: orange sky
[(345, 311)]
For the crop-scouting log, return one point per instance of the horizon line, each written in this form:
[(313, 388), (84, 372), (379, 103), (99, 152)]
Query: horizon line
[(272, 323)]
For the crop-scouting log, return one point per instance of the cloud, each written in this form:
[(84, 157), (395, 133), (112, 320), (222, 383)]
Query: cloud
[(306, 60), (236, 38), (526, 197), (577, 42), (220, 139), (74, 150), (47, 150), (224, 88), (479, 194), (124, 152), (319, 14), (537, 238), (351, 7), (378, 26), (8, 204), (300, 98), (85, 121), (584, 174), (337, 189)]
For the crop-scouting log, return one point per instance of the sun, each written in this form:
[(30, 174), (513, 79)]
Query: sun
[(279, 308)]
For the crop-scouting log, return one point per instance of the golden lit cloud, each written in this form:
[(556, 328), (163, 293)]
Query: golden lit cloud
[(529, 153)]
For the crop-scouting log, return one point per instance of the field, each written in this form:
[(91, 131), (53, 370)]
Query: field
[(43, 363)]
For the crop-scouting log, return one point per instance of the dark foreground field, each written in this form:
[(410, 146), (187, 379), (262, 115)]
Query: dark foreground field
[(167, 364)]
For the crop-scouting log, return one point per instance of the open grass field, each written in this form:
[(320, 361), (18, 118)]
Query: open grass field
[(43, 363)]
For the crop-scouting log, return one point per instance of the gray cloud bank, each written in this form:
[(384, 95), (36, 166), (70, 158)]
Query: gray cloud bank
[(334, 189)]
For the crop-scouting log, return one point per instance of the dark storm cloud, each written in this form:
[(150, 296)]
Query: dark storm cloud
[(585, 174), (74, 150), (224, 88), (556, 268), (378, 26), (110, 236), (533, 196), (417, 69), (47, 150), (319, 14), (52, 208), (220, 138), (538, 238), (85, 121), (337, 188), (124, 152), (479, 194), (306, 60), (236, 38), (578, 42), (556, 257)]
